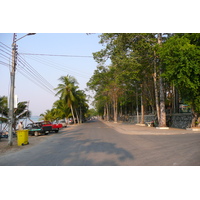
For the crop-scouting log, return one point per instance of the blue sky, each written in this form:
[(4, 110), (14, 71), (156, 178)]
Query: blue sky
[(49, 67)]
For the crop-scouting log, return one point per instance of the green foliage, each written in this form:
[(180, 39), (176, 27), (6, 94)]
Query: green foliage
[(131, 56), (20, 112), (181, 60), (67, 89), (70, 100), (91, 112), (3, 109)]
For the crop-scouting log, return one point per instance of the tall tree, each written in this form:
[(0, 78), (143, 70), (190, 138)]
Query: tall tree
[(66, 91), (180, 55), (162, 120)]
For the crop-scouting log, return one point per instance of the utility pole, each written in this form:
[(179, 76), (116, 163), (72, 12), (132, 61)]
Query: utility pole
[(12, 88)]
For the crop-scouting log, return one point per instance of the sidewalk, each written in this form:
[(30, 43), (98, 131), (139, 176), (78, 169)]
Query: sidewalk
[(131, 129)]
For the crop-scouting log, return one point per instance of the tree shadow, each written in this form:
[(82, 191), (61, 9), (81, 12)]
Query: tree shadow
[(70, 151)]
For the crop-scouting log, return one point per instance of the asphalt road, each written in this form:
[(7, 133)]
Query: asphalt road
[(96, 144)]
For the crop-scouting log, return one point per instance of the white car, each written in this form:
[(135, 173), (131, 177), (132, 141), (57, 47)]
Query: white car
[(64, 124)]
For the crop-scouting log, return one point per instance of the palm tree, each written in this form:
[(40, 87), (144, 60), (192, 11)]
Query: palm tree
[(20, 112), (61, 109), (3, 109), (48, 115), (67, 90)]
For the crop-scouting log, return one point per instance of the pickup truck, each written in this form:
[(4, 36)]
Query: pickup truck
[(49, 126)]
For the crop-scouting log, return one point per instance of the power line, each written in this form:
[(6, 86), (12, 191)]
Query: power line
[(34, 75), (25, 63), (5, 52), (4, 57), (3, 63), (26, 70), (64, 68), (30, 73), (24, 73), (76, 56), (6, 46), (59, 67)]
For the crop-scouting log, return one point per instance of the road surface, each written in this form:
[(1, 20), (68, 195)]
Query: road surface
[(96, 144)]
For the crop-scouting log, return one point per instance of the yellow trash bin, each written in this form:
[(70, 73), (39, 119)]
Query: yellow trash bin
[(22, 137)]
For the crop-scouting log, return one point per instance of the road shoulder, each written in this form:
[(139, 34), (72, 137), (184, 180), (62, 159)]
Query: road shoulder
[(131, 129), (33, 140)]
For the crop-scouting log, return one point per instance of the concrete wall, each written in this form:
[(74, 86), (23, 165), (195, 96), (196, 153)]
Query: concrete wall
[(179, 120)]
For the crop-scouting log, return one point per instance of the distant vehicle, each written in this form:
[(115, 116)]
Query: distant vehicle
[(44, 127), (35, 129), (49, 126), (3, 135), (70, 121), (64, 124)]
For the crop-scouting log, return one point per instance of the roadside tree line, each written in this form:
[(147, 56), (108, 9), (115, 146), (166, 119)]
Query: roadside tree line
[(72, 102), (149, 73)]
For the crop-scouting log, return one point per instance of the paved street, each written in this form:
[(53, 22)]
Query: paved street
[(105, 144)]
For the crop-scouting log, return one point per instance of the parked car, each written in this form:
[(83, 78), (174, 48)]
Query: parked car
[(49, 126), (64, 124), (3, 134), (44, 127), (70, 121), (35, 129)]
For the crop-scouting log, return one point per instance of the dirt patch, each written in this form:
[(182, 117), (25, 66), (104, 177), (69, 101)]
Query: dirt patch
[(5, 148), (33, 140)]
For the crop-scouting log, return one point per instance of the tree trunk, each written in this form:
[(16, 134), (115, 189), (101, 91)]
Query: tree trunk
[(107, 109), (156, 89), (195, 117), (162, 122), (104, 113), (142, 107), (137, 110), (77, 116), (72, 113), (115, 109)]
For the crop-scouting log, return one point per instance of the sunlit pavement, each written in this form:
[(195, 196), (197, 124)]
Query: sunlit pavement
[(107, 144)]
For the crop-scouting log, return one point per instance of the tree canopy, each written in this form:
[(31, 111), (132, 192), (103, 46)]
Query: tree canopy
[(152, 71)]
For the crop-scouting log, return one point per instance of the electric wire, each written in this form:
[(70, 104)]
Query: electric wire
[(26, 70), (5, 45), (5, 52), (41, 54), (29, 72), (4, 57), (24, 73), (55, 66), (34, 71), (24, 62), (3, 63), (30, 77)]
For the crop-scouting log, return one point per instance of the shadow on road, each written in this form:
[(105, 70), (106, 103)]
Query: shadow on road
[(76, 150)]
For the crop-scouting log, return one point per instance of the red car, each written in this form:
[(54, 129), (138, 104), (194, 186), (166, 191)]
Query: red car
[(49, 126)]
